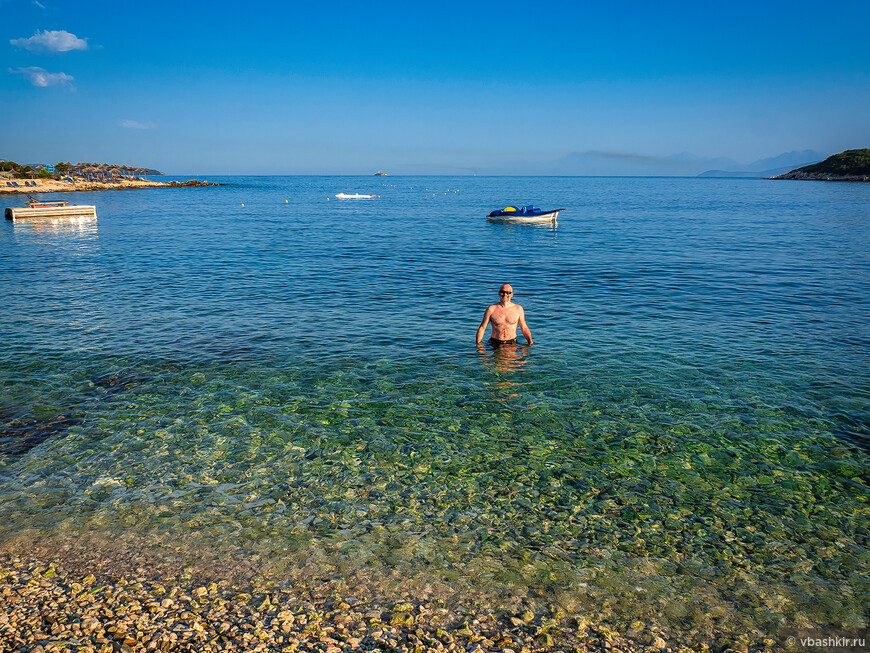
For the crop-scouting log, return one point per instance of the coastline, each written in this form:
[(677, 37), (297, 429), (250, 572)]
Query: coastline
[(818, 176), (60, 186)]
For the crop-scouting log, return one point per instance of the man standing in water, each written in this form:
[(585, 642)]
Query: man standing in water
[(504, 317)]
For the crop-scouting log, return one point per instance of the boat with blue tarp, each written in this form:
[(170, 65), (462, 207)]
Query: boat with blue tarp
[(523, 214)]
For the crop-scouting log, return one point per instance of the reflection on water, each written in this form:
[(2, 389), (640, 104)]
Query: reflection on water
[(76, 235), (549, 225), (61, 226), (504, 360)]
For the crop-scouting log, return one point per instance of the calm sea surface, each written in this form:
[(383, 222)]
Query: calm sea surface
[(258, 372)]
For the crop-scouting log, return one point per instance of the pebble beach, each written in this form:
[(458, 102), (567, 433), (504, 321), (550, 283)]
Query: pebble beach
[(50, 607)]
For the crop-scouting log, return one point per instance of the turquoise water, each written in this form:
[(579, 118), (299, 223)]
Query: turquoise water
[(256, 372)]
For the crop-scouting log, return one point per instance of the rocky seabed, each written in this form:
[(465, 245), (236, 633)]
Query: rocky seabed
[(47, 610)]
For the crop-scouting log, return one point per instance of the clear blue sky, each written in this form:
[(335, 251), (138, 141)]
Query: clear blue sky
[(344, 88)]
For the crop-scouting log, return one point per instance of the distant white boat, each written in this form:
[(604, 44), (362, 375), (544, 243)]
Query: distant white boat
[(355, 196)]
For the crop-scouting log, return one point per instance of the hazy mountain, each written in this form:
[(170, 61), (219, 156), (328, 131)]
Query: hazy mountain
[(684, 164), (688, 163), (745, 173), (596, 162), (789, 160), (769, 167)]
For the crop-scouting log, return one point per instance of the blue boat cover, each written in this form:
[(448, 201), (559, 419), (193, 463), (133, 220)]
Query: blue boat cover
[(512, 211)]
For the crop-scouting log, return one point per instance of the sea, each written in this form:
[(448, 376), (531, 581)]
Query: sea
[(268, 378)]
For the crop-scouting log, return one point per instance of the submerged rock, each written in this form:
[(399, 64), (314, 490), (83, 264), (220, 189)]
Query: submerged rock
[(20, 434), (117, 381)]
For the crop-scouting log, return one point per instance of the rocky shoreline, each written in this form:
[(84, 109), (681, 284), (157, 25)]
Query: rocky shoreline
[(820, 176), (47, 608), (59, 186)]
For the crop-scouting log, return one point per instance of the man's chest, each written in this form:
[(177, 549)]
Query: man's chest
[(505, 316)]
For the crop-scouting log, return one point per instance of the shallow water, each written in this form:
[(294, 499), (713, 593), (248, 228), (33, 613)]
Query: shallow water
[(261, 371)]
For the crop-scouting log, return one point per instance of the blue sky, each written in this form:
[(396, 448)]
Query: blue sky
[(440, 88)]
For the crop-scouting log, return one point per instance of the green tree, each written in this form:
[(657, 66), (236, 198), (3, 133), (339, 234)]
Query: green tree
[(61, 168)]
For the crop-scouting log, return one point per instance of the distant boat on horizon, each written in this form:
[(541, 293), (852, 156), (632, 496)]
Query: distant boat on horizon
[(381, 174)]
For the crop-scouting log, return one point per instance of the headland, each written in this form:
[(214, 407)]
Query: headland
[(850, 165), (65, 186), (69, 177)]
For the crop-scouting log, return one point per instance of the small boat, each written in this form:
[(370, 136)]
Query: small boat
[(381, 174), (59, 209), (355, 196), (523, 214)]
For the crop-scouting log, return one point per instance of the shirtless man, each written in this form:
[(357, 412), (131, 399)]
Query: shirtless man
[(504, 317)]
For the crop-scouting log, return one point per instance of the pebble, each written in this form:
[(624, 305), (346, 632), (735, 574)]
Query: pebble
[(60, 612)]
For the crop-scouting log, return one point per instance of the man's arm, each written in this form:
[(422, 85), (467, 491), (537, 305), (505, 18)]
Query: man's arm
[(524, 327), (482, 328)]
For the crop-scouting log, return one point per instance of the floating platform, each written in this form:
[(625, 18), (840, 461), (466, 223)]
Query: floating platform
[(59, 209)]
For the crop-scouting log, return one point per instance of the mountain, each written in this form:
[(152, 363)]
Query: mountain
[(599, 163), (788, 160), (595, 163), (850, 165), (769, 167)]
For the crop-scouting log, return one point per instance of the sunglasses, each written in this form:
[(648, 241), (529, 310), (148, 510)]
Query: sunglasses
[(505, 292)]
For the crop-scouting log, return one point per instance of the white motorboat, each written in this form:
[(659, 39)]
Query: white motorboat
[(355, 196)]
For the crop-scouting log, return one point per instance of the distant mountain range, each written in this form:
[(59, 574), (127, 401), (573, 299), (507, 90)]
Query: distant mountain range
[(769, 167), (599, 163)]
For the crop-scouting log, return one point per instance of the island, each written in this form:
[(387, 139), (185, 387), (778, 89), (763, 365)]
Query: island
[(851, 165), (66, 177)]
